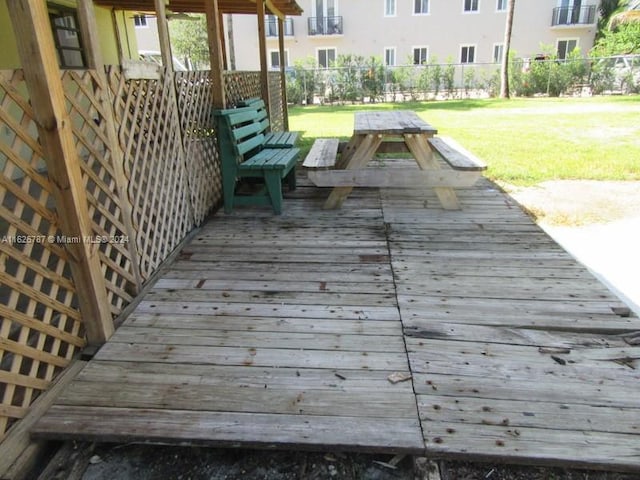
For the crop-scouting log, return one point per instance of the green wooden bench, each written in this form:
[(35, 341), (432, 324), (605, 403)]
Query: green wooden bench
[(245, 154), (272, 139)]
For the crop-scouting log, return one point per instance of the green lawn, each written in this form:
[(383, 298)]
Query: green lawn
[(524, 141)]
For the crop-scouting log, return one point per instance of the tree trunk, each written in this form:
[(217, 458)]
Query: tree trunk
[(232, 47), (504, 70)]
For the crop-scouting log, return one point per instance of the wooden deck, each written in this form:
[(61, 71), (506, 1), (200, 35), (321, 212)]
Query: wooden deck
[(283, 332)]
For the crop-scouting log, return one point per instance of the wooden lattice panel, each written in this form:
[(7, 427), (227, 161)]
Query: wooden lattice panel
[(240, 86), (150, 137), (83, 91), (195, 101), (276, 110), (40, 325)]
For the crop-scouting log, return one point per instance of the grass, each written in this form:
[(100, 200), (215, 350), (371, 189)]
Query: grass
[(524, 141)]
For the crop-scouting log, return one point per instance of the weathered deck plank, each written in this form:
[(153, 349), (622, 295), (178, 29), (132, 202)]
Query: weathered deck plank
[(268, 332), (282, 332), (517, 352)]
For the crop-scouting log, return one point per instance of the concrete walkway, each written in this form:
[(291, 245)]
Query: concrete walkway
[(611, 251)]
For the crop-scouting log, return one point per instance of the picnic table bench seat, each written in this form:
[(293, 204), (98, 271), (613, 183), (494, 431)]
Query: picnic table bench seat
[(244, 154), (456, 155), (323, 153)]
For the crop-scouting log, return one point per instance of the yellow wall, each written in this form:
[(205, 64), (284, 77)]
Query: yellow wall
[(108, 40), (8, 53)]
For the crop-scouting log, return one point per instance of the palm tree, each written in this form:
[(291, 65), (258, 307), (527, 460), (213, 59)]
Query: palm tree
[(628, 13), (504, 69)]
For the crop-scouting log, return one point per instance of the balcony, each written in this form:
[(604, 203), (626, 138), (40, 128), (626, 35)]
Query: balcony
[(582, 15), (325, 26), (271, 27)]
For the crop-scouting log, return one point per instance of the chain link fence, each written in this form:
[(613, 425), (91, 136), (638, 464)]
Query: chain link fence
[(369, 81)]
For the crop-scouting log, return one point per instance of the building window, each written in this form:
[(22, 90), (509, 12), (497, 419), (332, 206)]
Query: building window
[(420, 55), (326, 57), (565, 47), (390, 56), (471, 5), (390, 8), (66, 37), (274, 59), (501, 5), (140, 21), (421, 7), (468, 54), (498, 52)]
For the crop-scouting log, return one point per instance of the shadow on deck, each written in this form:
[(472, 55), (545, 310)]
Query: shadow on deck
[(290, 331)]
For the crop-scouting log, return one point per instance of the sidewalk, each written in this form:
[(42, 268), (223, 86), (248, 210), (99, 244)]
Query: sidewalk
[(611, 251)]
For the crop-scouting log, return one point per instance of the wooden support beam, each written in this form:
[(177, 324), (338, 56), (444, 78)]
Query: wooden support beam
[(392, 178), (89, 32), (262, 43), (283, 76), (163, 34), (30, 21), (215, 53)]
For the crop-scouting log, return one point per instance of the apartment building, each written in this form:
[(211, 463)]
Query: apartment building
[(402, 32)]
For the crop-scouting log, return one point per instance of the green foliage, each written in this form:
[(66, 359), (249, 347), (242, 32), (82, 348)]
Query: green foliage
[(623, 40), (302, 81), (469, 80), (448, 77), (189, 40), (549, 76), (347, 80), (373, 79)]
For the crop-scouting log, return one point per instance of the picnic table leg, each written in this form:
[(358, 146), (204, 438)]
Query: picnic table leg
[(367, 147), (419, 148)]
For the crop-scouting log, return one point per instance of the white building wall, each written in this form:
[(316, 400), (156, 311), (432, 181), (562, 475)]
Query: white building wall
[(367, 32)]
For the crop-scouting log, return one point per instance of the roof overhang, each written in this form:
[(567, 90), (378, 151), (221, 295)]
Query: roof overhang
[(275, 7)]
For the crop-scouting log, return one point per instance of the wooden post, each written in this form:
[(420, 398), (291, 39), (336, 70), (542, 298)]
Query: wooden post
[(283, 76), (215, 52), (264, 67), (30, 21), (163, 34), (89, 32)]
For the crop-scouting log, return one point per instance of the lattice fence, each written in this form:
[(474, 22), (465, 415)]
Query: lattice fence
[(151, 140), (242, 85), (40, 325), (276, 110), (86, 101), (195, 100), (150, 166)]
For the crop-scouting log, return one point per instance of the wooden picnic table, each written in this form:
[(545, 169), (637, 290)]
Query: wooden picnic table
[(393, 132)]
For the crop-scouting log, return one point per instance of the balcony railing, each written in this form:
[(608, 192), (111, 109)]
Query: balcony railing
[(583, 15), (271, 27), (325, 26)]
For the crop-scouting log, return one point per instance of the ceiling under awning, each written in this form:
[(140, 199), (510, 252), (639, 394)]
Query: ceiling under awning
[(276, 7)]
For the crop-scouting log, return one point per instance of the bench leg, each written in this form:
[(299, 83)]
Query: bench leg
[(273, 180), (291, 179), (228, 192)]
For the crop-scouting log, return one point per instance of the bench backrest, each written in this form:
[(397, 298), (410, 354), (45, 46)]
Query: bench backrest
[(241, 133)]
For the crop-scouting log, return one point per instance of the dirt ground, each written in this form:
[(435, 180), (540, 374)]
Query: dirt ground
[(567, 203), (578, 202)]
